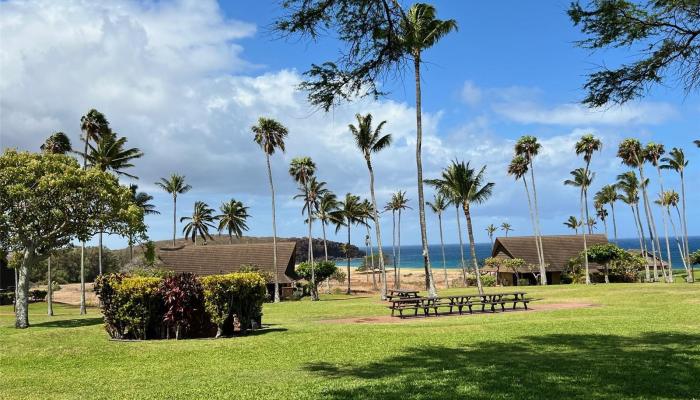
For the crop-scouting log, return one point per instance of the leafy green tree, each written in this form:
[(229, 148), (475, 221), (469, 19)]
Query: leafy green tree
[(438, 206), (200, 222), (270, 135), (350, 212), (175, 185), (603, 254), (372, 140), (233, 218), (57, 143), (665, 33), (320, 272), (629, 184), (46, 201), (677, 162)]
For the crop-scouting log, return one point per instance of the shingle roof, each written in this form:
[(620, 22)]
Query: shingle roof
[(558, 250), (226, 258)]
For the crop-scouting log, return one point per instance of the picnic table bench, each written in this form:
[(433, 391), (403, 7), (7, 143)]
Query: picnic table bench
[(402, 294), (452, 302)]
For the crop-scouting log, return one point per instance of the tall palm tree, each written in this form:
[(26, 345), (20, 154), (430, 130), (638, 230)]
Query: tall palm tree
[(326, 214), (422, 30), (141, 200), (367, 214), (632, 154), (469, 186), (608, 195), (490, 230), (601, 214), (92, 124), (518, 168), (586, 146), (270, 135), (528, 147), (677, 162), (175, 185), (302, 169), (200, 222), (391, 206), (233, 218), (349, 213), (573, 223), (629, 184), (57, 143), (653, 153), (371, 140), (667, 200), (506, 227), (400, 202), (438, 206)]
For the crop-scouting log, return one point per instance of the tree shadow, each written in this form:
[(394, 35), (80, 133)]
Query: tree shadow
[(652, 365), (70, 323)]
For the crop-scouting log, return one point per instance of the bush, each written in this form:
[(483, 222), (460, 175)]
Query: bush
[(37, 295), (232, 298), (7, 298), (488, 280), (322, 271), (339, 275), (183, 299)]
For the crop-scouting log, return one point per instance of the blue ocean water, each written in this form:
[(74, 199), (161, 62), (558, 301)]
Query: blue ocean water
[(411, 256)]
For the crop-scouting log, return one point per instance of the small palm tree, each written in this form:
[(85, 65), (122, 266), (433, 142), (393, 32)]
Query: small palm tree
[(438, 206), (421, 30), (367, 216), (506, 227), (490, 230), (400, 203), (602, 214), (326, 214), (677, 162), (200, 222), (608, 195), (175, 185), (270, 135), (653, 153), (667, 200), (302, 169), (518, 168), (629, 184), (233, 218), (573, 223), (469, 185), (371, 140), (349, 213), (582, 179), (142, 200), (57, 143)]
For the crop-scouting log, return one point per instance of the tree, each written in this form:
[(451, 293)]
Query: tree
[(57, 143), (573, 223), (270, 135), (666, 33), (200, 222), (490, 230), (629, 184), (582, 179), (175, 185), (653, 153), (321, 271), (586, 146), (326, 214), (468, 185), (603, 254), (601, 214), (349, 213), (371, 140), (438, 206), (528, 147), (632, 154), (233, 218), (46, 201), (506, 227), (677, 162), (367, 215), (667, 200), (608, 195), (400, 203), (142, 200)]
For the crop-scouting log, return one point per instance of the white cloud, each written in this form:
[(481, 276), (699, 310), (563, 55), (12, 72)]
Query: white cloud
[(471, 94)]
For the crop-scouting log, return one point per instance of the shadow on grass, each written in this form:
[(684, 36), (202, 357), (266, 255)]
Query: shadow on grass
[(536, 367), (70, 323)]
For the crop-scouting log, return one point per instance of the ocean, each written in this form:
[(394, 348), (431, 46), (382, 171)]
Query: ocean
[(411, 255)]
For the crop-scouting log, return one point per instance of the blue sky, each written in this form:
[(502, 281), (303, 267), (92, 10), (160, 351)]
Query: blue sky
[(184, 81)]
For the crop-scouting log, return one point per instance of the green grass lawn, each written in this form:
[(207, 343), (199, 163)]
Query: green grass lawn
[(641, 341)]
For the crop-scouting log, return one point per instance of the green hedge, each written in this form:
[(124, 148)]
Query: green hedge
[(234, 299)]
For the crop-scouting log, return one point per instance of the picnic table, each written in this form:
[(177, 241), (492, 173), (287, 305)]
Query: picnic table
[(457, 302), (402, 294)]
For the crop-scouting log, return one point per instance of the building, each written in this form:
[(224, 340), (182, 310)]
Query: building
[(558, 250), (227, 258)]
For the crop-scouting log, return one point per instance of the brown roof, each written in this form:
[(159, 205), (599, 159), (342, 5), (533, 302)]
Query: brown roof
[(226, 258), (648, 257), (558, 250)]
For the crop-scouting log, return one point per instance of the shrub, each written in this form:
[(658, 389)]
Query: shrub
[(231, 297), (7, 298), (339, 275), (488, 280), (183, 299), (37, 295), (322, 271)]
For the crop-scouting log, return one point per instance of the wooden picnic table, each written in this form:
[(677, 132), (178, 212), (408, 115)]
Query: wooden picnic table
[(459, 301), (402, 294)]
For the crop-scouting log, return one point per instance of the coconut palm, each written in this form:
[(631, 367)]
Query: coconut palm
[(490, 230), (57, 143), (653, 153), (469, 186), (586, 146), (629, 184), (302, 169), (350, 212), (200, 222), (233, 218), (270, 135), (141, 200), (367, 216), (632, 154), (667, 200), (592, 223), (400, 202), (602, 214), (371, 140), (325, 213), (528, 147), (174, 185), (677, 162), (422, 30), (608, 195), (391, 206), (438, 206), (506, 227), (573, 223), (582, 179)]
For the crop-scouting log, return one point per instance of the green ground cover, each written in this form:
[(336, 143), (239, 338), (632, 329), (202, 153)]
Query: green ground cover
[(640, 341)]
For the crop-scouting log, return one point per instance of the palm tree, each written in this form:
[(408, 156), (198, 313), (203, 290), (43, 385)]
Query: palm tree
[(629, 184), (601, 214), (422, 30), (391, 206), (368, 141), (653, 153), (528, 147), (667, 200), (608, 195), (141, 200), (349, 213), (518, 168), (233, 218), (325, 213), (677, 162), (175, 185), (468, 185), (400, 202), (270, 135), (573, 223), (506, 227), (583, 179), (633, 155), (587, 145), (302, 170), (490, 230), (57, 143), (367, 214), (201, 220), (438, 206)]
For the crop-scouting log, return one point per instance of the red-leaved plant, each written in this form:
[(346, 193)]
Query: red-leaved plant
[(184, 303)]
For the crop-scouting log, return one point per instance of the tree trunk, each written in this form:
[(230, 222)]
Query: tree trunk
[(393, 248), (669, 277), (678, 241), (429, 282), (532, 218), (49, 288), (377, 228), (99, 253), (538, 233), (174, 218), (584, 217), (461, 247), (442, 247), (371, 252), (612, 210), (650, 223), (347, 255), (314, 292), (83, 310), (642, 240), (398, 250), (325, 255), (22, 299), (274, 229), (472, 247), (684, 250), (685, 228)]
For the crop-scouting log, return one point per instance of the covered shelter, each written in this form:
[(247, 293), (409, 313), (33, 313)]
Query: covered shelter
[(557, 249)]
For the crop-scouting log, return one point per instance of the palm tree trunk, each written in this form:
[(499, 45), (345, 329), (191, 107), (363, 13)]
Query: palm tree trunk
[(612, 210), (685, 229), (347, 255), (684, 251), (393, 248), (174, 218), (442, 247), (398, 262), (534, 224), (314, 292), (49, 289), (642, 239), (377, 229), (584, 217), (538, 233), (325, 255), (83, 311), (679, 242), (274, 229), (669, 277), (650, 223), (429, 282), (371, 252), (472, 247), (461, 246)]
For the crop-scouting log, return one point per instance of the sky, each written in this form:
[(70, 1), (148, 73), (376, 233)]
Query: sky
[(184, 81)]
